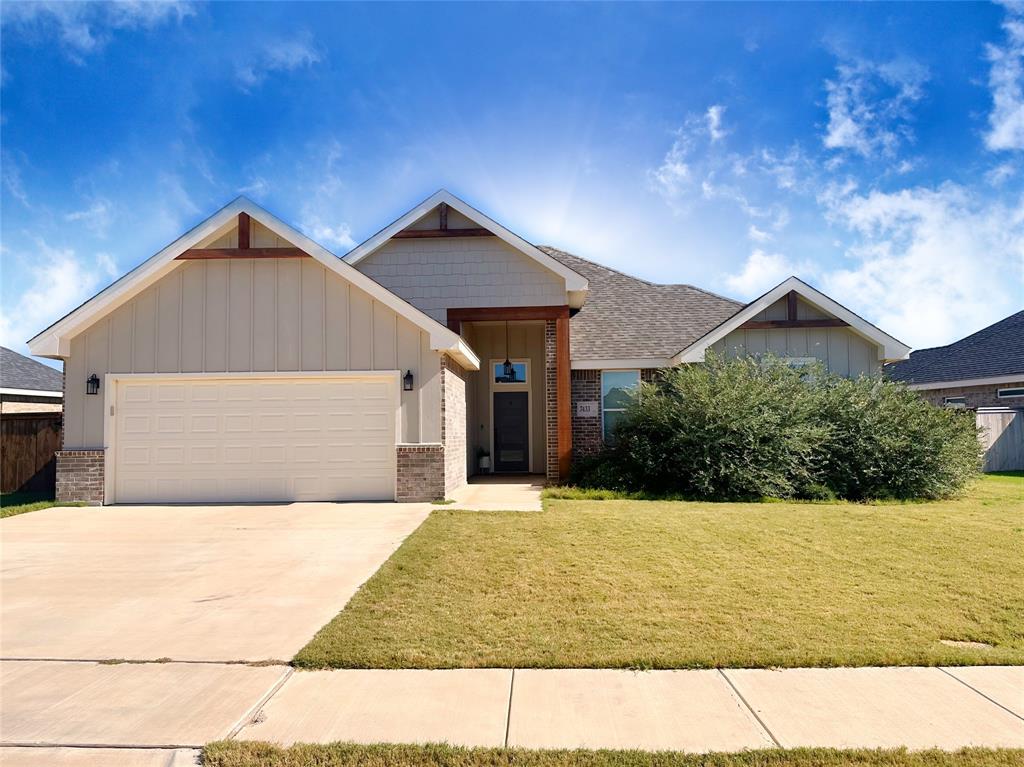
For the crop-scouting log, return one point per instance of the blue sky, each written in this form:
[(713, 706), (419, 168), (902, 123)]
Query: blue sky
[(877, 150)]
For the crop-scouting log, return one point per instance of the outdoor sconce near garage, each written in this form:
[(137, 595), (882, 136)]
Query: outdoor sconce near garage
[(92, 384), (407, 381)]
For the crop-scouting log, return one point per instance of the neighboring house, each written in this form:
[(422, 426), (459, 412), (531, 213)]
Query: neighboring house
[(245, 362), (28, 386), (985, 369)]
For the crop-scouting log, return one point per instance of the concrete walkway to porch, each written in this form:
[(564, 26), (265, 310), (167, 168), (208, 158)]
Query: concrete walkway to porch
[(500, 492)]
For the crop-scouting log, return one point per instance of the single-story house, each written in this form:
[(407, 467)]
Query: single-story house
[(27, 385), (985, 369), (245, 362)]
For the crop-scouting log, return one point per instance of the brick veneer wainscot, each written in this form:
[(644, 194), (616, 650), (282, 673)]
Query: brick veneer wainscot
[(80, 475), (976, 396), (420, 473)]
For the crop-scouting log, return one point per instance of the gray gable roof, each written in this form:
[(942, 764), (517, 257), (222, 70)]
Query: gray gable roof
[(625, 317), (20, 372), (995, 351)]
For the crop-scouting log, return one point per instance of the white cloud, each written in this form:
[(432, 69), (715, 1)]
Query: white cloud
[(1001, 173), (929, 264), (55, 281), (338, 237), (761, 272), (713, 118), (85, 28), (96, 216), (12, 179), (758, 235), (277, 56), (869, 105), (670, 178), (1006, 80)]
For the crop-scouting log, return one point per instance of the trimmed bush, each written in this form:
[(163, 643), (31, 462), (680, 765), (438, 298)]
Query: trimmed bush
[(753, 428)]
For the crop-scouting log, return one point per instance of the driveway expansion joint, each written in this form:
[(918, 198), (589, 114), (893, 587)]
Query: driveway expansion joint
[(253, 714), (750, 708), (508, 718)]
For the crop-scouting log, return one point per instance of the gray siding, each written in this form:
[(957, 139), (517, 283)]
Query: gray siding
[(251, 315), (841, 350), (437, 274)]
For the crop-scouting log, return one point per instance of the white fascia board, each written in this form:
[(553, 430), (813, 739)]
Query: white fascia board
[(990, 381), (574, 282), (31, 392), (889, 348), (55, 341), (620, 364)]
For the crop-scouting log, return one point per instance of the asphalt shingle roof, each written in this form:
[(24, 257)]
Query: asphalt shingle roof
[(997, 350), (20, 372), (625, 317)]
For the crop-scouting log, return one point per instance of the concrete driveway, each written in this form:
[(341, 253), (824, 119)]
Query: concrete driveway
[(189, 583)]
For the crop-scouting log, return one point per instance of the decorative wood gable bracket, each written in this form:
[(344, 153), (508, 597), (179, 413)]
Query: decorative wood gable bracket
[(442, 230), (791, 320), (243, 250)]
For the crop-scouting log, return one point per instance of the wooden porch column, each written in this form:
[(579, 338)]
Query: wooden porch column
[(563, 388)]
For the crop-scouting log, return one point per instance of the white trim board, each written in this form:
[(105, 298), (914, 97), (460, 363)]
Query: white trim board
[(31, 392), (576, 285), (55, 341), (638, 363), (889, 348), (1016, 378)]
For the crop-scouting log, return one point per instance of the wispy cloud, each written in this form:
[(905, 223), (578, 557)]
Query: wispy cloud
[(11, 172), (280, 55), (55, 280), (713, 118), (869, 105), (96, 215), (1006, 80), (761, 272), (338, 237), (669, 178), (85, 28)]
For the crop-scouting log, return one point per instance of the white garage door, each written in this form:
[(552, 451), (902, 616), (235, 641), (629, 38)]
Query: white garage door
[(254, 439)]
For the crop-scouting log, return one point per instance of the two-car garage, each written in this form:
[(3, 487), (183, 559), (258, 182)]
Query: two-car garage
[(251, 438)]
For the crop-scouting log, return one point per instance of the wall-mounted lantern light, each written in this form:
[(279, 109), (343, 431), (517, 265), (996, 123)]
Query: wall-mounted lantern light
[(92, 384), (407, 381)]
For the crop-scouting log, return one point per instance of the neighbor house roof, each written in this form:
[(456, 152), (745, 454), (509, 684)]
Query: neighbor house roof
[(21, 374), (55, 341), (629, 322), (992, 355)]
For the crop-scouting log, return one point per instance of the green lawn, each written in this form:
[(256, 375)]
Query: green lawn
[(620, 583), (236, 754), (12, 504)]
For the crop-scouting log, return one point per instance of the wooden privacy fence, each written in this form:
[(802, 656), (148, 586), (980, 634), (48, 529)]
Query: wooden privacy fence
[(1003, 438), (28, 442)]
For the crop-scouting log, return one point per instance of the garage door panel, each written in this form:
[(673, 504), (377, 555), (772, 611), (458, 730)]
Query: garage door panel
[(254, 440)]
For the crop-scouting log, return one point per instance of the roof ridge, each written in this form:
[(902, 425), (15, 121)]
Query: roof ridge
[(641, 279)]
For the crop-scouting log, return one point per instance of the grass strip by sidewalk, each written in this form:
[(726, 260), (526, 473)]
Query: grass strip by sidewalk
[(12, 504), (243, 754), (644, 584)]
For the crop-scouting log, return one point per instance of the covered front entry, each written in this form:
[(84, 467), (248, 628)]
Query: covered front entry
[(252, 438), (517, 404)]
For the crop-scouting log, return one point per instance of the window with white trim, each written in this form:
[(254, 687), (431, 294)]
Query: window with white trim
[(1016, 391), (954, 401), (618, 387)]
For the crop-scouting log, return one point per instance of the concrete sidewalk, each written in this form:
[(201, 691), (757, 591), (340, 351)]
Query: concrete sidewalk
[(83, 714), (677, 710)]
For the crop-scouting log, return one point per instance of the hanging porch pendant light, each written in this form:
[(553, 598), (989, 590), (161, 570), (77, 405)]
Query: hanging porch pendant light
[(507, 368)]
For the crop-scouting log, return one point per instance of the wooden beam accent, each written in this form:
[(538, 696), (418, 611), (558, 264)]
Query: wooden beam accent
[(413, 234), (444, 217), (503, 314), (776, 324), (243, 231), (791, 305), (205, 253), (563, 390)]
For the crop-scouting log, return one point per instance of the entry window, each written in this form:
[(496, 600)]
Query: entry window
[(954, 401), (618, 387), (518, 373), (1014, 392)]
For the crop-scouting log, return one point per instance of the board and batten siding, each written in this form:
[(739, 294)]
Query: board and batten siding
[(252, 315), (457, 272), (842, 351)]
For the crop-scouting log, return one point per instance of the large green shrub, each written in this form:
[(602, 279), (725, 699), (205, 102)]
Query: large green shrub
[(750, 428)]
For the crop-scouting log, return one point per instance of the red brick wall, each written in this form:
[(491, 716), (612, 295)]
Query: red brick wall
[(587, 437), (80, 475), (551, 399), (420, 473)]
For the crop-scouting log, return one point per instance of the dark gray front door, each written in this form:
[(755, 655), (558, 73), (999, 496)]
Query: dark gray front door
[(511, 431)]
